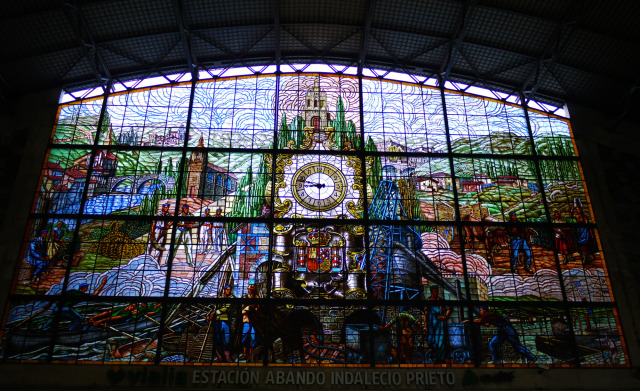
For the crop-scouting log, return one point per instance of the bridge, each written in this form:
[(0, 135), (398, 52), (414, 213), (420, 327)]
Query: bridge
[(137, 181)]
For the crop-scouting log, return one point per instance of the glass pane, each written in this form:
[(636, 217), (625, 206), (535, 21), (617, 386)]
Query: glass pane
[(234, 113), (150, 117), (319, 112), (78, 123), (552, 136), (486, 126), (260, 231), (403, 118)]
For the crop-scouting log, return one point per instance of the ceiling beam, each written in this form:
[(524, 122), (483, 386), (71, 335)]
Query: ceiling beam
[(397, 64), (276, 28), (87, 43), (185, 38), (366, 31), (455, 41), (621, 109), (563, 29), (585, 5), (531, 57)]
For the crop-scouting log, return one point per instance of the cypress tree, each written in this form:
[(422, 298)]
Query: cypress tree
[(339, 125), (374, 176), (352, 136), (284, 135), (298, 126), (239, 203), (155, 200), (145, 206), (107, 132), (258, 187), (409, 199), (169, 168)]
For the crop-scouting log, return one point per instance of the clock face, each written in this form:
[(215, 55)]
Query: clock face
[(319, 186)]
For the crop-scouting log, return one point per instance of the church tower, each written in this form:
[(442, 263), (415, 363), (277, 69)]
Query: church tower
[(197, 164), (316, 114)]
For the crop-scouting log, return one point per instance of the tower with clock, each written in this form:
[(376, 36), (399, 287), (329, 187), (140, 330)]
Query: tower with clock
[(317, 181)]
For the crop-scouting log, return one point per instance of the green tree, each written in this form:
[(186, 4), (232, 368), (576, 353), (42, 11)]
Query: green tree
[(409, 198), (239, 203), (155, 199), (374, 176), (168, 169), (145, 206), (256, 193), (297, 126), (352, 136), (286, 135), (340, 126), (182, 168)]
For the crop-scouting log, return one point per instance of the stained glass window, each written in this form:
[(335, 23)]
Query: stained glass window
[(299, 219)]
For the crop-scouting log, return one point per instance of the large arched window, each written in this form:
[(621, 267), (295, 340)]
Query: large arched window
[(395, 223)]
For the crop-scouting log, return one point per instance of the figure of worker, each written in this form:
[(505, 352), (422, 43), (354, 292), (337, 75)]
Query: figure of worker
[(435, 325), (406, 326), (562, 239), (66, 310), (519, 244), (37, 256), (159, 231), (184, 235), (120, 314), (584, 235), (131, 311), (506, 332), (220, 319), (219, 238), (55, 242), (205, 238), (249, 333)]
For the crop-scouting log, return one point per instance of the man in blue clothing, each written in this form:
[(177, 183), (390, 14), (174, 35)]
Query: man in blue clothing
[(159, 231), (506, 332), (220, 320), (435, 325), (584, 235), (519, 244), (66, 310), (37, 256)]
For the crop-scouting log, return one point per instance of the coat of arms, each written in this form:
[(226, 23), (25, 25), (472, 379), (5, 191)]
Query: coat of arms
[(319, 251)]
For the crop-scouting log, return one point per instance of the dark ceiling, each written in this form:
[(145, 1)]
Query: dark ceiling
[(556, 51)]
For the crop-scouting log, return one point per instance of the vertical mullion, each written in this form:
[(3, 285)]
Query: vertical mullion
[(85, 193), (271, 218), (78, 218), (171, 247), (457, 225), (549, 227), (367, 252)]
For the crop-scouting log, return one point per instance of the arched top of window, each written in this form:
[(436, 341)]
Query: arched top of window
[(392, 189)]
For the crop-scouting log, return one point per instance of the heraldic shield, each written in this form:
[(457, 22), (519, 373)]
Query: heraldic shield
[(319, 251)]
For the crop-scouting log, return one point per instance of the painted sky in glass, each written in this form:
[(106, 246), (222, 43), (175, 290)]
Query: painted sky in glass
[(207, 212)]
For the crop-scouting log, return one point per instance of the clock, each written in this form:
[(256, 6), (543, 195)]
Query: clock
[(319, 186)]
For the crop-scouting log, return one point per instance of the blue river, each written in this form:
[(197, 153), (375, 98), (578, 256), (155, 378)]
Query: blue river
[(105, 204)]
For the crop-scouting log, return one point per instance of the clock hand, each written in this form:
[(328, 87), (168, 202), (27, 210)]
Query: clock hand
[(318, 185)]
